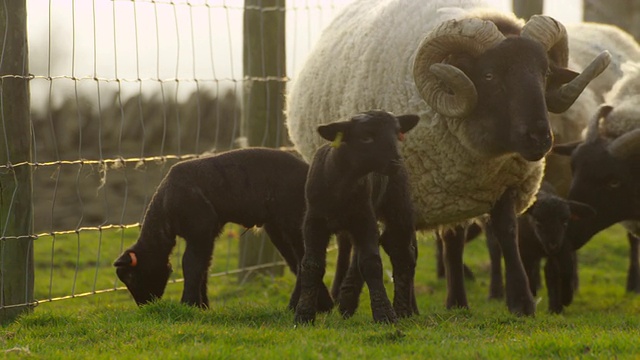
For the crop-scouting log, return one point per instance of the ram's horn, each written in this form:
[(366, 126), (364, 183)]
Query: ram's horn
[(593, 129), (551, 34), (559, 100), (444, 87), (626, 145)]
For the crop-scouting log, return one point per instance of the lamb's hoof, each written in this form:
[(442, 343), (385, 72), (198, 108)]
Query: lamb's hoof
[(304, 317), (384, 314), (555, 310), (405, 310), (526, 307), (347, 307), (325, 303)]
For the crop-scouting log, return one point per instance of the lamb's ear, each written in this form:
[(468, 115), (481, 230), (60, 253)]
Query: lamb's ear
[(565, 149), (330, 131), (408, 122), (581, 211), (126, 259)]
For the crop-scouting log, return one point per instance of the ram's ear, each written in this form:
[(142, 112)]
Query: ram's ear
[(128, 259), (408, 122), (565, 149), (581, 211), (331, 131)]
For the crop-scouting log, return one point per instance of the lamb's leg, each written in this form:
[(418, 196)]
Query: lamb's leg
[(312, 268), (633, 276), (291, 247), (531, 267), (403, 256), (365, 239), (350, 289), (453, 241), (342, 265), (496, 285), (554, 285), (505, 227), (195, 266), (440, 273)]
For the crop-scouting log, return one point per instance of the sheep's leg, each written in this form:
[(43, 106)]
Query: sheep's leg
[(195, 265), (403, 256), (350, 289), (312, 268), (505, 228), (440, 272), (343, 262), (365, 239), (633, 277), (454, 268), (496, 285)]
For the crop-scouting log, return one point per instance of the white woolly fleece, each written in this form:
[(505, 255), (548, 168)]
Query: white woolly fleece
[(364, 61)]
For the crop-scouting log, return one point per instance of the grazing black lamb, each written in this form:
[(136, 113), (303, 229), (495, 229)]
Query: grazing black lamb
[(541, 234), (251, 187), (339, 199)]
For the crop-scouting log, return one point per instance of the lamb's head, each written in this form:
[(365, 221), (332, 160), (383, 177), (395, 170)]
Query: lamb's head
[(503, 87), (550, 216), (144, 275), (368, 142), (606, 175)]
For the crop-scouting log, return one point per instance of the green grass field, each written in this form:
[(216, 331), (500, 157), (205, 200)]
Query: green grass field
[(250, 321)]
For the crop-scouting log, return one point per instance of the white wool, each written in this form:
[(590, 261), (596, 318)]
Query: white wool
[(364, 61)]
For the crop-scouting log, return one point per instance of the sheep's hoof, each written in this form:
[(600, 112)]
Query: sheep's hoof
[(347, 305)]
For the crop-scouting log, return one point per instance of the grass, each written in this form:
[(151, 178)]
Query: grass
[(251, 321)]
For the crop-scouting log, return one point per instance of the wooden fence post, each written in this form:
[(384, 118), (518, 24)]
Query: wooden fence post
[(264, 65), (16, 207)]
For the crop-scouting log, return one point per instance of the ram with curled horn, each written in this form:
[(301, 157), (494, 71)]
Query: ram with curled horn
[(482, 82)]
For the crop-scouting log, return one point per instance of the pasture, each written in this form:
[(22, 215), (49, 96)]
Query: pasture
[(250, 320)]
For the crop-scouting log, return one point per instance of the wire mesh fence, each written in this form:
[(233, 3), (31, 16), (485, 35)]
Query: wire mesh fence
[(120, 91)]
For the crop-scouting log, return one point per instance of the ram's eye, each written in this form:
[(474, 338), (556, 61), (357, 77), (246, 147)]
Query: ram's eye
[(366, 140), (488, 76)]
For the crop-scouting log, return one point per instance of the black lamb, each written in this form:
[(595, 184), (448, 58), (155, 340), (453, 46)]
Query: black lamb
[(251, 187), (541, 234), (339, 199)]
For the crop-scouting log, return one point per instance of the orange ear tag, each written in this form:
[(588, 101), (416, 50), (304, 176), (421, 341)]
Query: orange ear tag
[(401, 136), (134, 259)]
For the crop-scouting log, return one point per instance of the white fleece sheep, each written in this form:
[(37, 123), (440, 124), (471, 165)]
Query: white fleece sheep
[(373, 44), (586, 41)]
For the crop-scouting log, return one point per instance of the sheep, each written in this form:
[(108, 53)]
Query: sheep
[(606, 168), (484, 131), (541, 231), (587, 40), (338, 195), (251, 187)]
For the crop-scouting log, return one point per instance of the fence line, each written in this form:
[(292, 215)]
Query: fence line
[(103, 137)]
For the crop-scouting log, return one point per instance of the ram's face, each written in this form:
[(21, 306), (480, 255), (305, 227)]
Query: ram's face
[(511, 82)]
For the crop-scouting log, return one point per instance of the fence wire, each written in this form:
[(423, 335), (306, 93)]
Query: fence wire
[(120, 91)]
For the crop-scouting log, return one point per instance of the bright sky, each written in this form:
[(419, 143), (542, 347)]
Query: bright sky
[(161, 40)]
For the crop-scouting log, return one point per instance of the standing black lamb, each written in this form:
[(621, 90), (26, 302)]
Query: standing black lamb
[(251, 187), (339, 199)]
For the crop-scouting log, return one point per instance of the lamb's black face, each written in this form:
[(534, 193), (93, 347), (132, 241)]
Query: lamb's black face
[(511, 115), (550, 219), (144, 284), (610, 185), (370, 140)]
